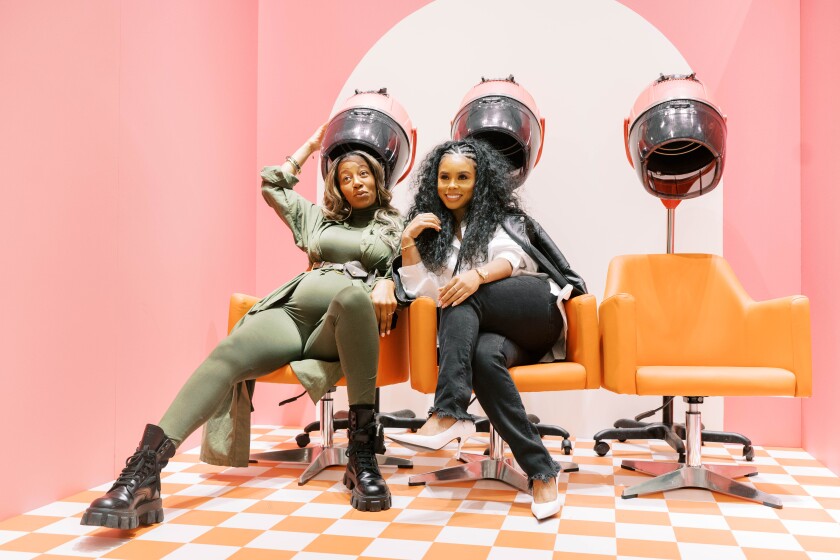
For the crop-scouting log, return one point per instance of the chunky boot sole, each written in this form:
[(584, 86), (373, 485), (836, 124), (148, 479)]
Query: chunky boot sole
[(146, 514), (363, 502)]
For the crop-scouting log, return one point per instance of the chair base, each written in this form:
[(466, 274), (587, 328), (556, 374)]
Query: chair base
[(478, 469), (673, 476), (320, 458), (655, 468), (693, 474), (481, 467), (672, 434), (398, 419), (667, 431), (325, 455)]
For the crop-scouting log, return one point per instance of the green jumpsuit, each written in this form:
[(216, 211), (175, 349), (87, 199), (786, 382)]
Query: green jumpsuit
[(321, 322)]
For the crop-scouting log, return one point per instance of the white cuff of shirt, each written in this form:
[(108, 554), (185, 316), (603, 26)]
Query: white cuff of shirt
[(511, 257), (416, 281)]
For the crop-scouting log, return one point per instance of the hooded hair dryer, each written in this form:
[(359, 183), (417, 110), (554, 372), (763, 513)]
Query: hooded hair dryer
[(503, 114), (675, 138), (372, 122)]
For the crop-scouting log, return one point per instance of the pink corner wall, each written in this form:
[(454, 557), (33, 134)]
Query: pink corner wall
[(820, 224), (747, 53), (129, 149), (127, 164), (304, 60)]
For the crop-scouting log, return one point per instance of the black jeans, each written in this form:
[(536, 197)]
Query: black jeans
[(510, 322)]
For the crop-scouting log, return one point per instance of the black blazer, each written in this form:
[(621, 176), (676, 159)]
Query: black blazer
[(536, 243)]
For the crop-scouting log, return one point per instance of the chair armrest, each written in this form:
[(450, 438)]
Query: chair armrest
[(779, 335), (617, 325), (422, 345), (583, 343), (240, 304), (394, 366)]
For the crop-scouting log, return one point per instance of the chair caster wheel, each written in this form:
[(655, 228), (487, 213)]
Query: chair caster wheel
[(487, 451), (602, 448), (567, 447), (622, 440), (749, 453), (302, 440)]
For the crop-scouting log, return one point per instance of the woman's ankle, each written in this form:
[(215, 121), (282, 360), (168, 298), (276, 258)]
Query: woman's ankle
[(544, 490), (436, 424)]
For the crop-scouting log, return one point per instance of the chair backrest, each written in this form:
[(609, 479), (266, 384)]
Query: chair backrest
[(393, 349), (690, 308)]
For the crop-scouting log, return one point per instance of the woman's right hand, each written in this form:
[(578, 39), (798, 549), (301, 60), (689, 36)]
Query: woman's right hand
[(314, 142), (307, 149), (420, 222)]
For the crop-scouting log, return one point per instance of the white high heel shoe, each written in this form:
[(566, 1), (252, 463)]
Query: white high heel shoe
[(461, 430), (547, 509)]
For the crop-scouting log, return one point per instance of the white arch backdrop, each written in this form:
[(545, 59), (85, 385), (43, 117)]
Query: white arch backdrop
[(584, 63)]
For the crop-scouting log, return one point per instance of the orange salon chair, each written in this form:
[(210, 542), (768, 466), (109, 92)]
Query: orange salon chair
[(682, 324), (393, 368), (581, 371)]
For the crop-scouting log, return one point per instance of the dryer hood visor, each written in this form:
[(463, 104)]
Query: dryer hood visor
[(507, 125), (372, 132), (678, 148)]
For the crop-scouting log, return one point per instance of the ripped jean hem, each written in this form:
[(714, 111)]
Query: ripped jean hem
[(555, 469), (446, 414)]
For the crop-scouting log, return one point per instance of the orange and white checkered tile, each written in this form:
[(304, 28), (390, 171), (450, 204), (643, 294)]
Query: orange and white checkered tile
[(214, 513)]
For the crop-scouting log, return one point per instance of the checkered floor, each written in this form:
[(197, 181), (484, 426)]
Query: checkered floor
[(213, 513)]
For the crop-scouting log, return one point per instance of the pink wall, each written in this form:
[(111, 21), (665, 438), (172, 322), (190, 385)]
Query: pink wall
[(58, 171), (304, 61), (127, 159), (750, 62), (820, 226)]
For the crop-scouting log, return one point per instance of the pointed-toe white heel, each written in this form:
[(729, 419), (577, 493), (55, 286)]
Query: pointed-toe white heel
[(547, 509), (461, 431)]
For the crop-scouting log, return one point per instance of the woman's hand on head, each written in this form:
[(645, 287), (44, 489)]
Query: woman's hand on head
[(317, 137), (457, 290), (384, 305), (421, 222)]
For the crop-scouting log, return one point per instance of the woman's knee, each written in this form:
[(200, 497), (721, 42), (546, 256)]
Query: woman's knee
[(353, 299), (463, 314), (489, 353)]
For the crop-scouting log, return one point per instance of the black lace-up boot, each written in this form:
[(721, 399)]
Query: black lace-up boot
[(362, 477), (135, 496)]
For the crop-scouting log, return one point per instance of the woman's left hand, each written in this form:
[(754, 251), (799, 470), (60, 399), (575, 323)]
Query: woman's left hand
[(459, 288), (384, 304)]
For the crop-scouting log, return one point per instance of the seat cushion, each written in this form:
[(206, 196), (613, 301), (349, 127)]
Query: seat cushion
[(282, 375), (556, 376), (702, 381)]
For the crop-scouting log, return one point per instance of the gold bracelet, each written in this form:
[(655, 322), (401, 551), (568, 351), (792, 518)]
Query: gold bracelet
[(294, 163), (404, 247)]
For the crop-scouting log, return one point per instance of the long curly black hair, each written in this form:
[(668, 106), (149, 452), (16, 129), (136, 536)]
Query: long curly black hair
[(493, 199)]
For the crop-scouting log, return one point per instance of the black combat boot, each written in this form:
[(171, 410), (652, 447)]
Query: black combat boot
[(362, 477), (135, 496)]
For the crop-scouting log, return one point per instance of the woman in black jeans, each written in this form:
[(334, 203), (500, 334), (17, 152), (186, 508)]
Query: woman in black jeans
[(497, 309)]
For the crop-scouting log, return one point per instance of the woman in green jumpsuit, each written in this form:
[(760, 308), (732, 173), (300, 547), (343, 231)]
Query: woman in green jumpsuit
[(325, 323)]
